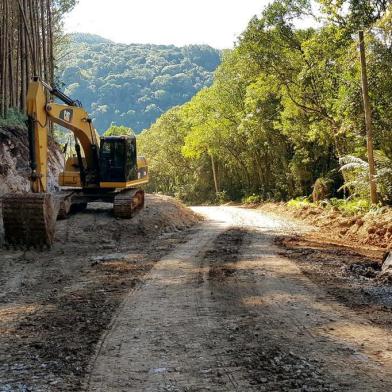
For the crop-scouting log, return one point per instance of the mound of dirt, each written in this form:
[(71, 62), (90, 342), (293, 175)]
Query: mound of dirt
[(97, 227), (14, 161), (373, 228)]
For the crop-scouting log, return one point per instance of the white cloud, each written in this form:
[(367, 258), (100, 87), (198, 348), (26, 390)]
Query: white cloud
[(179, 22)]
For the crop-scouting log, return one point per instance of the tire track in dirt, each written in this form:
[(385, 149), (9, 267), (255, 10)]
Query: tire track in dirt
[(158, 341)]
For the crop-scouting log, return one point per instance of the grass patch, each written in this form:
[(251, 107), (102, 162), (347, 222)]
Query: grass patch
[(352, 206), (347, 207), (300, 202)]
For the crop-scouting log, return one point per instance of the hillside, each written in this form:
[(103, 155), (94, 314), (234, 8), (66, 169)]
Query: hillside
[(134, 84), (14, 164)]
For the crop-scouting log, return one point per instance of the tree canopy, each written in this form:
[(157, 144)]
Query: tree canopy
[(30, 33), (118, 130)]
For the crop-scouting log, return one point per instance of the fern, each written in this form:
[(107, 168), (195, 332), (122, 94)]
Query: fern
[(356, 175)]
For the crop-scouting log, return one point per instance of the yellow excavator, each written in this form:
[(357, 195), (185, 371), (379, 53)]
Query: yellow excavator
[(103, 169)]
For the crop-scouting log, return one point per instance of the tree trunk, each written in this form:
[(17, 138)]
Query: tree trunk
[(26, 48), (214, 174)]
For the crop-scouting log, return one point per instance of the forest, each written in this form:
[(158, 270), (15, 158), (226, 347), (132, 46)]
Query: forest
[(284, 116), (30, 35), (132, 85)]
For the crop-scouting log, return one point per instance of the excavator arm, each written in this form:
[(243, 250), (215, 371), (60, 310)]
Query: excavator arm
[(29, 218), (38, 136), (69, 115)]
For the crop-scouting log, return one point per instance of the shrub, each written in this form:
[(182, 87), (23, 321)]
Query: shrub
[(299, 202), (351, 206), (356, 175), (252, 199), (222, 197), (322, 189)]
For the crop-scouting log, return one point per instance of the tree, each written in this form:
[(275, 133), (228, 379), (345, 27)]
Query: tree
[(28, 34), (141, 83), (118, 130)]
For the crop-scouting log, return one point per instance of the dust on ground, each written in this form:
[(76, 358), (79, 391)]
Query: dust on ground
[(244, 302), (54, 305), (344, 255)]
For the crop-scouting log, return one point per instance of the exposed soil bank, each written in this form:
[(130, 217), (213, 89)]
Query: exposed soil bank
[(373, 228), (14, 161), (54, 305)]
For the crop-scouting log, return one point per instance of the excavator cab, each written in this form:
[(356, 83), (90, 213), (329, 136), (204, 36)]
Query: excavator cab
[(118, 159)]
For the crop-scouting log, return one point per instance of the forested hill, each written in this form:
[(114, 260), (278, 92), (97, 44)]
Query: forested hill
[(133, 85)]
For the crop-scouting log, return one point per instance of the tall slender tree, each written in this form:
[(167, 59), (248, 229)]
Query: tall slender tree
[(27, 30)]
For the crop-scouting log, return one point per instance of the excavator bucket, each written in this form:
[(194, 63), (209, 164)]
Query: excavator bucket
[(29, 219)]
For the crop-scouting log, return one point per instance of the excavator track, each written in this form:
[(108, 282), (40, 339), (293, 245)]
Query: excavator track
[(29, 219), (127, 203)]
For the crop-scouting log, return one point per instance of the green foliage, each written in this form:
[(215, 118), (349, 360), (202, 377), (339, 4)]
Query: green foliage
[(133, 84), (64, 6), (252, 199), (221, 197), (356, 173), (171, 172), (14, 119), (284, 107), (300, 202), (354, 14), (351, 206), (118, 130)]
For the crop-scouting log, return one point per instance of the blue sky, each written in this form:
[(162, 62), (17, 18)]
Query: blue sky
[(179, 22)]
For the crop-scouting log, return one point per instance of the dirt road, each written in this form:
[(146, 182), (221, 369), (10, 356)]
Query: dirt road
[(224, 312)]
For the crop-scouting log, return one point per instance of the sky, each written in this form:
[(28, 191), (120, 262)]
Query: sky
[(179, 22)]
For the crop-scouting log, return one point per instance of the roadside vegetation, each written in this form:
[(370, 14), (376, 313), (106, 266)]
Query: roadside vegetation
[(284, 117), (347, 207)]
